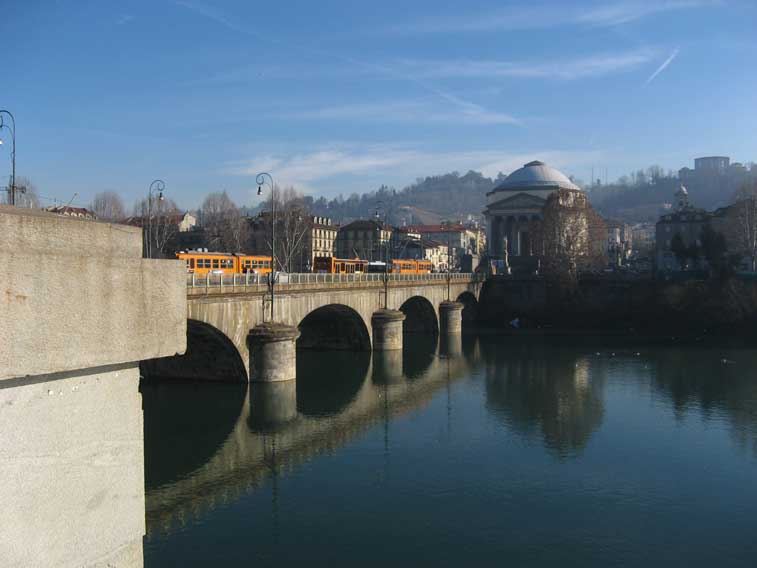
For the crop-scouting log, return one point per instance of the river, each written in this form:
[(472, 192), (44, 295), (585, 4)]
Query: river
[(489, 450)]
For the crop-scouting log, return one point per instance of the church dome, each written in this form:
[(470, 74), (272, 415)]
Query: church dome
[(536, 175)]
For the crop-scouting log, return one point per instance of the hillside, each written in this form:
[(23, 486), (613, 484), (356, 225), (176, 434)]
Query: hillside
[(428, 200)]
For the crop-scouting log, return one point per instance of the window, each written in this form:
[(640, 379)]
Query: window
[(215, 263)]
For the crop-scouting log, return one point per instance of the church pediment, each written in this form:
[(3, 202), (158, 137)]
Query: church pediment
[(518, 201)]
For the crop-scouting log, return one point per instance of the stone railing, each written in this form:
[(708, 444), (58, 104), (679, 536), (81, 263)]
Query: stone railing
[(242, 283)]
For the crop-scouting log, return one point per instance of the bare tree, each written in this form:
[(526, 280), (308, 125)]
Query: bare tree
[(746, 215), (224, 225), (164, 224), (292, 225), (570, 236), (107, 205), (26, 194)]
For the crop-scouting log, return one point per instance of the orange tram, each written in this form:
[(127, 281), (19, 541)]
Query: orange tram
[(224, 263), (331, 265)]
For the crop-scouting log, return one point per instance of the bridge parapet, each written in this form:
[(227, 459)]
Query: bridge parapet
[(258, 283)]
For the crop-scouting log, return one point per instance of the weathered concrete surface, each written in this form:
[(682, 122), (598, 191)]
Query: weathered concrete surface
[(387, 329), (71, 470), (69, 302), (79, 309), (273, 352), (450, 317)]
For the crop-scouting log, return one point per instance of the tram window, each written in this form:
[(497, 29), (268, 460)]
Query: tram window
[(191, 262), (215, 263)]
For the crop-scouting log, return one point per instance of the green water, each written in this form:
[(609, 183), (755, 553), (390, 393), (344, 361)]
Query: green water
[(485, 451)]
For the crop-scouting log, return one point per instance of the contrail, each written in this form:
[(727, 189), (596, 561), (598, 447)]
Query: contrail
[(662, 67)]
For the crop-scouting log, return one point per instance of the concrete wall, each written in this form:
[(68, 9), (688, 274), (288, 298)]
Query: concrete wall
[(72, 298), (79, 309), (71, 470)]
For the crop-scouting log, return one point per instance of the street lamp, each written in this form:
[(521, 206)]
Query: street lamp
[(446, 224), (158, 186), (264, 178), (12, 128), (380, 205)]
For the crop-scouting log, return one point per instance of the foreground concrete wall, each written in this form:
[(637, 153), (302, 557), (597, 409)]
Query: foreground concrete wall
[(86, 304), (79, 309), (71, 470)]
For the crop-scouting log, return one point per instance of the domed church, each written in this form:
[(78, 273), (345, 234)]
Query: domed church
[(517, 204), (539, 220)]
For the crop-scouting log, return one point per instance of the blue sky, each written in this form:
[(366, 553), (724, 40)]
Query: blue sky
[(342, 96)]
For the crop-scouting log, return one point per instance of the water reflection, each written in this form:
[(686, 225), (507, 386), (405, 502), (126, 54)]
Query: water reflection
[(540, 388), (418, 353), (328, 381), (184, 425), (387, 368), (272, 405), (212, 443), (718, 382)]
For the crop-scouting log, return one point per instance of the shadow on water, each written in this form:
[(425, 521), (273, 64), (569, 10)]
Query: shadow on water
[(418, 352), (536, 387), (328, 381), (184, 426)]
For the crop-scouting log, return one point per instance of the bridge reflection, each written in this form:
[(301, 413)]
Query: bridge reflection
[(206, 446)]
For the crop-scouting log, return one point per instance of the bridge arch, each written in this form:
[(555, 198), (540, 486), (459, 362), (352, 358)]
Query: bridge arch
[(334, 327), (210, 356), (420, 316), (470, 307)]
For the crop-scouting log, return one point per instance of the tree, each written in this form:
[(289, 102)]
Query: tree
[(292, 225), (159, 224), (746, 215), (107, 205), (564, 237), (225, 227), (26, 194), (714, 248)]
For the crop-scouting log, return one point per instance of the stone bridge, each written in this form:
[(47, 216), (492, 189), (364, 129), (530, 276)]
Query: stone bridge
[(330, 311)]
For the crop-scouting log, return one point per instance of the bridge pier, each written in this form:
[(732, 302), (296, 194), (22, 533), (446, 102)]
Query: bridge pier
[(273, 352), (450, 317), (387, 330)]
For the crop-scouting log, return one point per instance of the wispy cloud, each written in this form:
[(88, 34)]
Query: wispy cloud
[(547, 15), (336, 168), (566, 69), (663, 66), (471, 110), (124, 19), (624, 12), (407, 111)]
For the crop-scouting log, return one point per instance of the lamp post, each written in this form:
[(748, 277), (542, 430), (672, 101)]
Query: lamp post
[(386, 253), (12, 128), (449, 259), (262, 179), (158, 186)]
